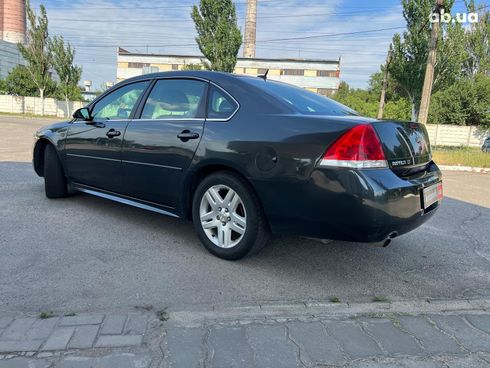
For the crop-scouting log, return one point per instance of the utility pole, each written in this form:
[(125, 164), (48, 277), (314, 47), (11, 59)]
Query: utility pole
[(381, 108), (429, 70), (250, 29)]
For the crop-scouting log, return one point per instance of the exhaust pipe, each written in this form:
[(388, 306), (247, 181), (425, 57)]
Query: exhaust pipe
[(386, 242), (381, 244)]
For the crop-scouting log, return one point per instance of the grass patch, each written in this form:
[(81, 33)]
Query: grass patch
[(381, 299), (461, 156), (46, 315), (373, 315), (334, 299)]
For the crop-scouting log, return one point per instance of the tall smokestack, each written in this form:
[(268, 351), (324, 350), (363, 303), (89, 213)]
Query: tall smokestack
[(13, 20), (250, 29)]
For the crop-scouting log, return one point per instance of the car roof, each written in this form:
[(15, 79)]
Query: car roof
[(240, 87), (234, 85), (204, 74)]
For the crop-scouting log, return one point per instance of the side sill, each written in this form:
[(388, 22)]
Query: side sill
[(127, 201)]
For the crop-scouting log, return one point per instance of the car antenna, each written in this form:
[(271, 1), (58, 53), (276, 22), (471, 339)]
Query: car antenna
[(264, 76)]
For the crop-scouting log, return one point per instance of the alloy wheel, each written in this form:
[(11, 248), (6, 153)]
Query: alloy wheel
[(223, 216)]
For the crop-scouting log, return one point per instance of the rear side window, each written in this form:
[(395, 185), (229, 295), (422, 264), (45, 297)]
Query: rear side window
[(301, 100), (175, 99), (220, 105)]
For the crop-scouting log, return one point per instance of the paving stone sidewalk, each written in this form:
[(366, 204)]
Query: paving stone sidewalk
[(256, 336), (82, 340)]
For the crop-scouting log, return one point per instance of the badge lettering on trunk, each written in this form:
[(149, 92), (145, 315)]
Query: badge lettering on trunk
[(399, 162)]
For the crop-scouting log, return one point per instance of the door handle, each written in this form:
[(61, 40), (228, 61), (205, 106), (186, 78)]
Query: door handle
[(113, 133), (185, 135)]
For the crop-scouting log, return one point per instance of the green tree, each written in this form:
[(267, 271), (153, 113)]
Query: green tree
[(68, 73), (36, 50), (219, 37), (19, 82), (3, 86), (375, 84), (399, 109), (343, 91), (477, 41), (192, 67), (466, 102), (410, 52), (365, 102)]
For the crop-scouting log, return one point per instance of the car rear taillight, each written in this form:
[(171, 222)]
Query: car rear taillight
[(358, 148)]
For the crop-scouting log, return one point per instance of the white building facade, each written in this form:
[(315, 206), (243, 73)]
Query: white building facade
[(320, 76)]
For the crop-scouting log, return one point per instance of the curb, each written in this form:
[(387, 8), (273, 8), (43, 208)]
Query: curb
[(319, 309), (480, 170)]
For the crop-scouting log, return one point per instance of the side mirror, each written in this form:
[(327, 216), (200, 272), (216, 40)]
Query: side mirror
[(83, 114)]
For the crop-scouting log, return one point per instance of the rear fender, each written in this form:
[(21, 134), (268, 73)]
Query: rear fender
[(200, 169)]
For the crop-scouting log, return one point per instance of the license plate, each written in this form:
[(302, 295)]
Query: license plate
[(432, 194)]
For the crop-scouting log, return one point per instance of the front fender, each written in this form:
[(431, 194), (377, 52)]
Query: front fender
[(53, 134)]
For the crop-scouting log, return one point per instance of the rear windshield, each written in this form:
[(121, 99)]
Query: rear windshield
[(301, 100)]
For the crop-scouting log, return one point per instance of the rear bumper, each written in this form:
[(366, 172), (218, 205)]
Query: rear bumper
[(351, 205)]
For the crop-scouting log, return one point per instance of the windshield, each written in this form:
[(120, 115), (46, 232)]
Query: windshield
[(301, 100)]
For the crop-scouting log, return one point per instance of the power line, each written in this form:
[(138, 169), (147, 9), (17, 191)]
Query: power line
[(128, 45), (147, 7), (326, 35), (160, 19), (331, 34), (309, 49), (146, 20), (191, 5)]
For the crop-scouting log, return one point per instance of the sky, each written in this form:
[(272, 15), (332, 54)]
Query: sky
[(357, 32)]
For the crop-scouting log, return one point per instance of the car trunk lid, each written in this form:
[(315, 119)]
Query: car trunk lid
[(405, 144)]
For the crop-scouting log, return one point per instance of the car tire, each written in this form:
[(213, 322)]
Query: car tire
[(236, 226), (54, 178)]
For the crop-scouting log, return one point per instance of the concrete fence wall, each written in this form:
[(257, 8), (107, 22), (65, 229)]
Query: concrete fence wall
[(32, 105), (456, 135), (440, 134)]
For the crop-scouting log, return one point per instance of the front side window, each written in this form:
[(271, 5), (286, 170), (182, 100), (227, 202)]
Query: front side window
[(175, 98), (220, 105), (120, 103)]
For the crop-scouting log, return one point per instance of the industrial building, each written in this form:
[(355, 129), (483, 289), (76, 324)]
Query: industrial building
[(320, 76), (12, 31)]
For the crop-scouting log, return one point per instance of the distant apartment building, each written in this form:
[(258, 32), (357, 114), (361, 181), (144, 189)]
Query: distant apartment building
[(320, 76), (12, 31)]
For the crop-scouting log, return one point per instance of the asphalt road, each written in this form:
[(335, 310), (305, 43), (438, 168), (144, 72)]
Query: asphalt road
[(86, 254)]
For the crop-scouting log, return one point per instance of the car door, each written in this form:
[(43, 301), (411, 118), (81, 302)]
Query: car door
[(93, 148), (159, 145)]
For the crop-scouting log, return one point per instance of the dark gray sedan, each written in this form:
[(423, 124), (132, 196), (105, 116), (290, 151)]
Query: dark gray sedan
[(244, 157), (486, 145)]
